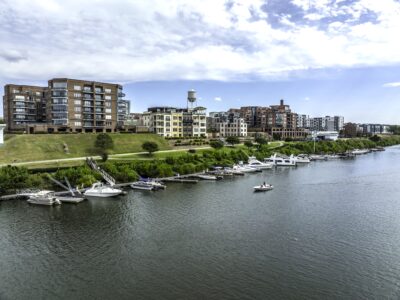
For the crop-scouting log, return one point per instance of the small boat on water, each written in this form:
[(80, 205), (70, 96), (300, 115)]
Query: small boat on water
[(142, 185), (377, 149), (244, 169), (318, 157), (281, 161), (234, 172), (360, 151), (70, 199), (254, 163), (148, 184), (209, 177), (263, 187), (100, 190), (301, 159), (44, 198)]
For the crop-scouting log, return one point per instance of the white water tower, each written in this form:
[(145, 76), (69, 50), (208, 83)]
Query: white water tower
[(191, 99)]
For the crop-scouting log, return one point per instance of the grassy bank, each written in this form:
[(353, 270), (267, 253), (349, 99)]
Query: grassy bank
[(168, 164), (20, 148)]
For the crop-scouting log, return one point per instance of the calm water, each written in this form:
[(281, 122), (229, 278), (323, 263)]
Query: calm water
[(329, 230)]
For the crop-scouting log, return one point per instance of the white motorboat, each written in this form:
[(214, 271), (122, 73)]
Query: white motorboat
[(234, 171), (100, 190), (207, 177), (254, 163), (263, 188), (157, 185), (43, 198), (360, 151), (142, 185), (244, 169), (281, 161), (301, 159), (318, 157)]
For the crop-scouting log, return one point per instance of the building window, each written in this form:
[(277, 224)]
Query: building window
[(78, 116), (78, 124), (108, 110), (108, 104), (77, 95), (108, 91), (77, 109), (108, 117), (77, 87), (77, 102), (107, 97), (59, 85)]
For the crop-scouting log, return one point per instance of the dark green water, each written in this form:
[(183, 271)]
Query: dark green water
[(329, 230)]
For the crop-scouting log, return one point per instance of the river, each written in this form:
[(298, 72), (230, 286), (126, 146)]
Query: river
[(328, 230)]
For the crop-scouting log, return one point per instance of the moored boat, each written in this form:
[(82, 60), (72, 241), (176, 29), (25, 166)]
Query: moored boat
[(254, 163), (208, 177), (360, 151), (100, 190), (43, 198), (301, 159), (281, 161)]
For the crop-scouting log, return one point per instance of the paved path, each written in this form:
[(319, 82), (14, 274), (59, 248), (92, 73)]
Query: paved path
[(94, 157), (110, 156)]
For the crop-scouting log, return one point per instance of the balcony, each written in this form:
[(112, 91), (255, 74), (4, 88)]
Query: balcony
[(87, 90), (120, 94), (99, 91)]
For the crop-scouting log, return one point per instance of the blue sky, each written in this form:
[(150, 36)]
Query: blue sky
[(336, 57)]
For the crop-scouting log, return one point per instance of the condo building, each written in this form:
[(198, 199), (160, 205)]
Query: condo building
[(65, 105), (176, 122), (276, 120), (227, 124), (327, 123)]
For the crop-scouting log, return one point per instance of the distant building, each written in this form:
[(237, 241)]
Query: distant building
[(2, 126), (276, 120), (123, 112), (372, 129), (65, 105), (327, 135), (303, 121), (327, 123), (227, 124), (177, 122), (351, 130)]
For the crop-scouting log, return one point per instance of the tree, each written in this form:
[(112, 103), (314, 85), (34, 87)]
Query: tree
[(232, 140), (261, 141), (104, 141), (276, 136), (102, 144), (248, 144), (375, 138), (217, 144), (150, 147)]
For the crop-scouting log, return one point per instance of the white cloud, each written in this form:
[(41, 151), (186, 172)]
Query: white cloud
[(218, 99), (307, 98), (127, 41), (391, 84)]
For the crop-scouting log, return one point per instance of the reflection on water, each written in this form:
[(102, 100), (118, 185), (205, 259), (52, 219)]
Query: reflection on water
[(327, 230)]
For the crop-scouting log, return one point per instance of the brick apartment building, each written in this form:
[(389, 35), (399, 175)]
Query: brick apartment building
[(65, 105)]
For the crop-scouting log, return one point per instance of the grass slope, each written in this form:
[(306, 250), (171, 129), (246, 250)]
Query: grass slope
[(20, 148)]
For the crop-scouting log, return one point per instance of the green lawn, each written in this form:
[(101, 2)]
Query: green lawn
[(20, 148)]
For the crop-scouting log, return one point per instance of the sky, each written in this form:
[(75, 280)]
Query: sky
[(323, 57)]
